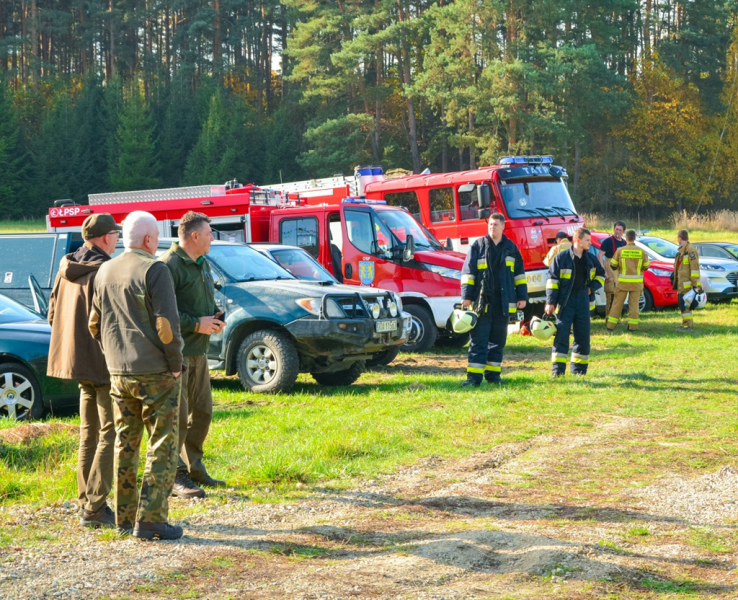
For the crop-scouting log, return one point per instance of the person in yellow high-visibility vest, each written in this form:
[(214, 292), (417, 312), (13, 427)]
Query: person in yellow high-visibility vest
[(629, 262), (686, 275)]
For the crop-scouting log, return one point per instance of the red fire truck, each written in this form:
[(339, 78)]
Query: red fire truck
[(362, 242), (529, 190)]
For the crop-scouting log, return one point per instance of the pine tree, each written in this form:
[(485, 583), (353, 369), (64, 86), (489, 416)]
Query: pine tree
[(136, 166), (11, 161)]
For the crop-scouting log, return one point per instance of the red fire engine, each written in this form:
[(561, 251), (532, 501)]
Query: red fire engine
[(362, 242), (529, 190)]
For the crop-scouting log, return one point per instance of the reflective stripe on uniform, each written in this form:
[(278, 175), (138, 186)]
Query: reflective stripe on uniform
[(475, 368), (496, 367), (613, 320), (482, 263), (687, 284), (512, 307), (552, 284), (510, 262), (631, 279), (592, 273), (467, 280), (614, 263), (558, 357), (600, 279), (580, 359), (592, 305), (565, 273), (632, 321), (687, 315), (520, 279), (695, 273)]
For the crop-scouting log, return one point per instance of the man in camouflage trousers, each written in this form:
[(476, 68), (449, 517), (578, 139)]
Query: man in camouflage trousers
[(136, 320)]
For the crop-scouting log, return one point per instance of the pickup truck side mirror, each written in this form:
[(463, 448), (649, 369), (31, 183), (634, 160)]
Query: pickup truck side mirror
[(409, 252), (483, 213), (449, 244)]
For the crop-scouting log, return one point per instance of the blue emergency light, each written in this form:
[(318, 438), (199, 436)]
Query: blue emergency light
[(362, 201), (525, 160)]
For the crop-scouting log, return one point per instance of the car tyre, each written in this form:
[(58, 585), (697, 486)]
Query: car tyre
[(423, 330), (268, 362), (20, 393), (345, 377), (645, 302), (380, 359)]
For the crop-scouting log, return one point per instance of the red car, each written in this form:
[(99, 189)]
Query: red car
[(657, 292)]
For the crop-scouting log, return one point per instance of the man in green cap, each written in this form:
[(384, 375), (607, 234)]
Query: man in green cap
[(199, 318), (74, 354)]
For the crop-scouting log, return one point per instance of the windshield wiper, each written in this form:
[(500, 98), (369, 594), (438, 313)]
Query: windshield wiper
[(535, 211)]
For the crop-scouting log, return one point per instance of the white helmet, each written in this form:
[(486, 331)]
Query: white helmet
[(541, 329), (689, 299), (463, 320)]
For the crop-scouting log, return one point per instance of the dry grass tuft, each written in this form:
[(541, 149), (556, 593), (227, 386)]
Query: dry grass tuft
[(721, 220), (29, 431)]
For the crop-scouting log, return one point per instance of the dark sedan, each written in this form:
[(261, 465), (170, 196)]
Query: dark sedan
[(25, 390)]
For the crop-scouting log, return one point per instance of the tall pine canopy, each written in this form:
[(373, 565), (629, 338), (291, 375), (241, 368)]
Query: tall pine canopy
[(632, 96)]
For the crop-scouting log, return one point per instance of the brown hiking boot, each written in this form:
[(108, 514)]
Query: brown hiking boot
[(157, 531), (184, 487), (102, 517)]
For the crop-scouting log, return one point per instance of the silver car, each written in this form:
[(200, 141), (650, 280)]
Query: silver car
[(719, 277)]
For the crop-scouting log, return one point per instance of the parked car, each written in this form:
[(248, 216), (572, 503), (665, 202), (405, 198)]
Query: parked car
[(719, 277), (33, 256), (25, 390), (724, 250), (657, 288), (278, 326)]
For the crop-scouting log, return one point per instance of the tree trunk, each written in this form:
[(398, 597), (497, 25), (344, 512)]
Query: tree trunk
[(412, 133), (472, 149), (577, 168)]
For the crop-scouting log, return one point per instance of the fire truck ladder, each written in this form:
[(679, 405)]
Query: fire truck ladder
[(196, 191), (308, 185)]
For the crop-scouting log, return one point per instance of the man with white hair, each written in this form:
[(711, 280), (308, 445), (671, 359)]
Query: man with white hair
[(135, 319)]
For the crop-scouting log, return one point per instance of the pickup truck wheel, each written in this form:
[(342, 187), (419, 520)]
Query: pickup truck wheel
[(268, 362), (383, 358), (423, 330), (20, 395), (345, 377)]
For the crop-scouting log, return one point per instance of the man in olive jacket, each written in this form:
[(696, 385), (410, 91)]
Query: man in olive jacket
[(74, 354), (135, 318), (198, 319)]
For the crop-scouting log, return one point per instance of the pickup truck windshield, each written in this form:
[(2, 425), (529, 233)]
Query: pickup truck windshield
[(402, 224), (244, 264), (301, 265), (530, 199)]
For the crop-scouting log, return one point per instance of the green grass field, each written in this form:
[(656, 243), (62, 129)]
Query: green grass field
[(683, 383)]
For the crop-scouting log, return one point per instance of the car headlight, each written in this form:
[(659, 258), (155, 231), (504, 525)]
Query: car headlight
[(392, 306), (312, 305), (445, 271), (661, 272), (712, 268), (375, 309)]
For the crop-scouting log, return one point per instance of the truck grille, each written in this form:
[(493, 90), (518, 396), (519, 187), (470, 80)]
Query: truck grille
[(733, 277), (354, 307)]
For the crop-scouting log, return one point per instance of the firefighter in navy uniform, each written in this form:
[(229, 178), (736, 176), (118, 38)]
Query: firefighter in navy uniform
[(493, 280), (686, 275), (573, 278)]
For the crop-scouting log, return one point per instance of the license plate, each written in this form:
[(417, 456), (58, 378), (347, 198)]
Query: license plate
[(383, 326)]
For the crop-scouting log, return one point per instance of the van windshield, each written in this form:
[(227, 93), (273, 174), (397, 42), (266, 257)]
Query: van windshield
[(401, 224), (529, 199), (244, 264)]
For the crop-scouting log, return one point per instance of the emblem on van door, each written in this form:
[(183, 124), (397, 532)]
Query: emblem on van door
[(366, 272)]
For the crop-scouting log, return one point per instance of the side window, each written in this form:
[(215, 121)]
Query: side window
[(407, 200), (301, 232), (710, 252), (359, 228), (24, 256), (442, 205), (468, 206)]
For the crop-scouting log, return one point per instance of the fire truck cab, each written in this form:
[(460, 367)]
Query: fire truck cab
[(529, 191), (367, 243)]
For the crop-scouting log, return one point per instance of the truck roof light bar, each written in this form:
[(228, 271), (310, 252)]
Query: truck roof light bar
[(362, 201), (526, 160)]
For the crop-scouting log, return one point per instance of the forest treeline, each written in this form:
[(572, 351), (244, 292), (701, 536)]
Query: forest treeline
[(634, 97)]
